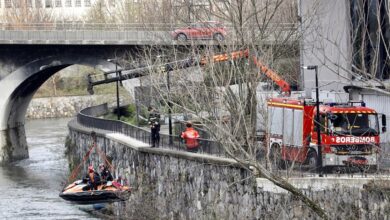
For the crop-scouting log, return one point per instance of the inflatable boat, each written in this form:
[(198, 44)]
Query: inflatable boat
[(110, 192)]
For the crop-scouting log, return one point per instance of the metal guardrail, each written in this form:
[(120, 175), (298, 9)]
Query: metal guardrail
[(79, 26), (89, 117), (80, 33), (84, 37), (82, 26)]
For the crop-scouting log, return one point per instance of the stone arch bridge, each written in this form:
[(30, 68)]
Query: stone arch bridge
[(24, 68)]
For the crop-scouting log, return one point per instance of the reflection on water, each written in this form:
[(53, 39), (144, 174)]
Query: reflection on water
[(29, 188)]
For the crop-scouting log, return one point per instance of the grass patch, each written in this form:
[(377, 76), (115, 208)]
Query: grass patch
[(79, 91), (72, 81), (128, 114)]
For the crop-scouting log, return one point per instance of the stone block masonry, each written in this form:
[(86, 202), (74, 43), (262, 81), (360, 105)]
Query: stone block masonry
[(179, 185), (62, 107)]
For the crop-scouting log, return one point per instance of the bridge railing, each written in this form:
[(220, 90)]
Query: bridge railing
[(80, 26), (133, 33), (90, 117)]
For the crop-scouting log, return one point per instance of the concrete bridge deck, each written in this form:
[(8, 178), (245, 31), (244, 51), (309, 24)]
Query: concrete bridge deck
[(121, 34)]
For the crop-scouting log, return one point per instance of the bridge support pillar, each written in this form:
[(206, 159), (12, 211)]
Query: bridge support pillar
[(13, 144)]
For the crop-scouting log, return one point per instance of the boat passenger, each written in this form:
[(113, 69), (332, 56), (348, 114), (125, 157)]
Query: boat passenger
[(105, 174), (92, 179), (117, 183)]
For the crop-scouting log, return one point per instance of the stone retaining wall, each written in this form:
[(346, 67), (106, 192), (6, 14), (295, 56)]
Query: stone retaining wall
[(61, 107), (175, 185)]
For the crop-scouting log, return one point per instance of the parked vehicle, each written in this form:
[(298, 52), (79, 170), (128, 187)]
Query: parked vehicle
[(202, 30), (349, 133)]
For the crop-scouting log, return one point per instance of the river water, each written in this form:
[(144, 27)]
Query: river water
[(29, 188)]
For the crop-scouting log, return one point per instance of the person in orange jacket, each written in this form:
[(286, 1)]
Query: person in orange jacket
[(92, 179), (191, 136)]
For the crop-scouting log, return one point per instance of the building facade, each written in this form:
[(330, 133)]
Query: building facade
[(56, 9)]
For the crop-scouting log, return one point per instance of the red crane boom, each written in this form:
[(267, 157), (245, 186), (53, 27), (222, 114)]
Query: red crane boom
[(284, 86), (274, 76), (189, 62)]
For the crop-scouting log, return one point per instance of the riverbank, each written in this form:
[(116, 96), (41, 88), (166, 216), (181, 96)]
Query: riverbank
[(66, 106)]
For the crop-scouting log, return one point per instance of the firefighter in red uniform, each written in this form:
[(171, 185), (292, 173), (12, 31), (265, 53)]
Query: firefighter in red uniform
[(190, 136)]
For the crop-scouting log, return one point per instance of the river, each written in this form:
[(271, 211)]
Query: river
[(29, 188)]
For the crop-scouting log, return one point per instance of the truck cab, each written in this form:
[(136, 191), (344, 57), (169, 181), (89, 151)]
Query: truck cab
[(349, 133)]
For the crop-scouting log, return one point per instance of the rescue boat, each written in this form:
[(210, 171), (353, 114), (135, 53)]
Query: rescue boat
[(106, 193)]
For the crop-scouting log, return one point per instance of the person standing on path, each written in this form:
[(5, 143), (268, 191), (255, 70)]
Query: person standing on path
[(191, 136), (154, 123)]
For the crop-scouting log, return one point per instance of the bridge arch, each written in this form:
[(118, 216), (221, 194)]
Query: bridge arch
[(17, 90)]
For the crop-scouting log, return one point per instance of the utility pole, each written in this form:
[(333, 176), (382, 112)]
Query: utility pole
[(169, 109), (318, 125), (117, 74)]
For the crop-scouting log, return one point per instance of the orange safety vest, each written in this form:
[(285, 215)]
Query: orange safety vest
[(190, 135)]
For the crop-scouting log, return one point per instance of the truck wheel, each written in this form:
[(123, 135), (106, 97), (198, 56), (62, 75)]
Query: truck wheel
[(327, 169), (311, 159), (364, 169), (369, 169), (374, 168)]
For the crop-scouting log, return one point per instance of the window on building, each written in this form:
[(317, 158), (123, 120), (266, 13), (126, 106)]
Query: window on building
[(17, 4), (48, 3), (38, 3), (111, 3), (87, 3), (58, 3), (78, 3), (8, 3), (68, 3), (29, 3)]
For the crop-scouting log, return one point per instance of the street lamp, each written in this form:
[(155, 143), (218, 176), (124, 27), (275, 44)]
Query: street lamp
[(169, 109), (169, 101), (117, 87), (318, 126)]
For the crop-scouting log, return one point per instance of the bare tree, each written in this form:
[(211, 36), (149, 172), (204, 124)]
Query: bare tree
[(365, 55), (370, 41), (100, 12), (222, 97), (128, 11), (21, 12)]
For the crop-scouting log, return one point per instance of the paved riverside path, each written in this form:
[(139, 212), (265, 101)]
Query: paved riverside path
[(145, 147)]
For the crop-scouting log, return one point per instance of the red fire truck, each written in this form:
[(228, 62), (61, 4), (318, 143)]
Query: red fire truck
[(349, 133)]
